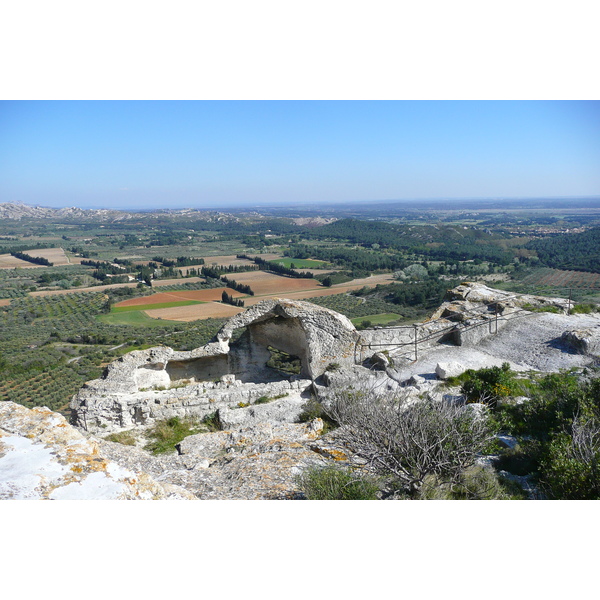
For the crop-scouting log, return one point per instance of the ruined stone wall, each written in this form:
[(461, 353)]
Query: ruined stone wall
[(114, 412)]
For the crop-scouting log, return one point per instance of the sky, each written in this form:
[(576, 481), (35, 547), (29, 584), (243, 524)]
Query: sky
[(207, 154)]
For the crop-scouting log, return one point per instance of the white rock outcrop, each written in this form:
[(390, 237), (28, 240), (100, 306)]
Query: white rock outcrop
[(43, 458)]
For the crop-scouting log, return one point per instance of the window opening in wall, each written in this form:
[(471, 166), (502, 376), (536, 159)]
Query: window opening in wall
[(284, 362)]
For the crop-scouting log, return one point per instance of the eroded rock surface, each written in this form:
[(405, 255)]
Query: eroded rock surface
[(43, 457)]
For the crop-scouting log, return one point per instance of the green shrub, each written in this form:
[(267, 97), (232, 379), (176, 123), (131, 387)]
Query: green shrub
[(571, 469), (475, 483), (550, 309), (267, 399), (583, 308), (122, 437), (336, 483), (488, 385), (165, 435), (313, 409)]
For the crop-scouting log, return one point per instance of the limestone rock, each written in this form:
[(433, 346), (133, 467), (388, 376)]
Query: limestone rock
[(285, 410), (380, 361), (585, 341), (43, 457), (444, 370)]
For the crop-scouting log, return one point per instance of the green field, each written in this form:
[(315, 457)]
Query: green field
[(133, 318), (122, 309), (300, 263), (381, 319)]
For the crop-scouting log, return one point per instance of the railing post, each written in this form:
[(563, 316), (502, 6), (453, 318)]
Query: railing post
[(416, 343)]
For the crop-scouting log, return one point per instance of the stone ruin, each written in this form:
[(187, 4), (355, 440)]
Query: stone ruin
[(284, 350), (232, 371)]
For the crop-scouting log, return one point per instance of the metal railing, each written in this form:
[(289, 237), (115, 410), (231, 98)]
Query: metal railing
[(480, 311)]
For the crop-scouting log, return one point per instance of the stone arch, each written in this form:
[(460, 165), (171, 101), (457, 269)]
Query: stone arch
[(316, 335)]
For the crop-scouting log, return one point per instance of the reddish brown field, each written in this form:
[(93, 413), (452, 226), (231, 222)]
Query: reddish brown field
[(5, 302), (162, 297), (265, 285), (194, 312)]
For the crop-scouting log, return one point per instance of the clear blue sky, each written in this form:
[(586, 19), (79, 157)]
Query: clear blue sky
[(153, 154)]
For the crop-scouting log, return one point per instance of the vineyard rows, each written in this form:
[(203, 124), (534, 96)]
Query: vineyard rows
[(568, 279)]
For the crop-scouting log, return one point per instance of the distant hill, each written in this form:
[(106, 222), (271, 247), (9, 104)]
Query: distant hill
[(17, 211)]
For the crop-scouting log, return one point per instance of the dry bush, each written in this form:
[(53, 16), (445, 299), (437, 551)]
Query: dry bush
[(409, 439)]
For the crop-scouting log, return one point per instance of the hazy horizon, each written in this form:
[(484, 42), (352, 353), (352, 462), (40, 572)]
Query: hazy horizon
[(211, 154)]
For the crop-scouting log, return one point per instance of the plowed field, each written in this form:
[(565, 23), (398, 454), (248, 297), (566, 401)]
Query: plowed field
[(156, 283), (263, 284), (8, 261), (54, 255), (194, 312), (162, 297)]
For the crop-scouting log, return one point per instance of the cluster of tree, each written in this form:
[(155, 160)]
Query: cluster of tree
[(82, 252), (240, 287), (265, 265), (359, 261), (216, 271), (105, 270), (180, 261), (576, 251), (102, 264), (444, 242), (48, 278), (36, 260), (229, 299), (21, 248), (424, 294), (171, 238)]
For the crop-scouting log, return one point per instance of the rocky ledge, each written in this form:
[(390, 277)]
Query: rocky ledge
[(42, 457)]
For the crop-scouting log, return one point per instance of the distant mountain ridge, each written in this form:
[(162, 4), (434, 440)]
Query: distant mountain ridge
[(17, 211)]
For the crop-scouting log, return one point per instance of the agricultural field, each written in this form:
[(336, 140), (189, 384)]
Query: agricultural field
[(56, 256), (558, 278), (215, 310), (57, 331), (53, 344), (210, 295), (229, 260), (299, 263), (379, 319), (122, 309), (134, 317), (8, 261), (269, 284), (95, 288)]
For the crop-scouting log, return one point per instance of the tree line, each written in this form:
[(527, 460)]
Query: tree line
[(36, 260)]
